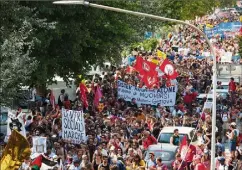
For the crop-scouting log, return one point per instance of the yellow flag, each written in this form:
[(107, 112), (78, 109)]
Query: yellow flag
[(240, 18), (161, 54), (15, 152), (83, 81), (80, 76), (155, 61), (209, 26)]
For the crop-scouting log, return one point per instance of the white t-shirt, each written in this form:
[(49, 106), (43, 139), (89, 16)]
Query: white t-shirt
[(33, 94), (72, 167), (222, 167)]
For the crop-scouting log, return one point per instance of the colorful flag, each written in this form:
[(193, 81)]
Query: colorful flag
[(41, 162), (183, 147), (167, 68), (83, 91), (150, 81), (98, 96), (145, 68), (37, 162), (15, 152), (161, 54)]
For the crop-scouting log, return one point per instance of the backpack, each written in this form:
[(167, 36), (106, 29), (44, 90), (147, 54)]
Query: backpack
[(59, 100)]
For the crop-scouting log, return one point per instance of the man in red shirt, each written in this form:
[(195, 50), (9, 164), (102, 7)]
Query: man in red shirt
[(232, 85), (198, 164), (232, 88), (187, 99), (148, 140)]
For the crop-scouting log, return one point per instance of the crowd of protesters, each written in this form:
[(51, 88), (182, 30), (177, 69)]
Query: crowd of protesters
[(119, 132)]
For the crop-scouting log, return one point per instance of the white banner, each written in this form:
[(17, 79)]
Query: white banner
[(226, 57), (73, 126), (16, 123), (162, 96), (39, 145)]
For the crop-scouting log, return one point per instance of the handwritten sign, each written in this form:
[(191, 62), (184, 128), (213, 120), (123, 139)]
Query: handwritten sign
[(73, 126)]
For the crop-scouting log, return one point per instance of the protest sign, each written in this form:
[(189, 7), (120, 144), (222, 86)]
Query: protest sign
[(39, 145), (73, 126), (16, 123), (163, 96), (226, 57), (223, 29)]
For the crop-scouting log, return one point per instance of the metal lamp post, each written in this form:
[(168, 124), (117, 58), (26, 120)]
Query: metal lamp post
[(85, 3)]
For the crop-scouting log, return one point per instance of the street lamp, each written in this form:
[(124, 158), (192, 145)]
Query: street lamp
[(82, 2)]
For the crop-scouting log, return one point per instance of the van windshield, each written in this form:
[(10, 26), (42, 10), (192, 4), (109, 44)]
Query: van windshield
[(165, 137)]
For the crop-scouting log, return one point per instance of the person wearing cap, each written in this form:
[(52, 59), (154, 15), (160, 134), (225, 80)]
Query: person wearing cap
[(150, 163), (198, 165)]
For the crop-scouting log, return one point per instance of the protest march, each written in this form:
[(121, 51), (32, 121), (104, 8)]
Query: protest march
[(152, 112)]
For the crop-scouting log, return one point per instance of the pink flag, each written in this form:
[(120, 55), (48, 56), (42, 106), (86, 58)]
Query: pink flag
[(52, 99), (98, 96)]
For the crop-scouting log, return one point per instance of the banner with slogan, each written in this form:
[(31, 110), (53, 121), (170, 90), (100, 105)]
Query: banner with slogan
[(73, 126), (162, 96), (224, 29)]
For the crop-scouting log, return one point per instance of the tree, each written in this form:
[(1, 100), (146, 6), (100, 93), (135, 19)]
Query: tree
[(17, 42), (67, 40), (16, 65)]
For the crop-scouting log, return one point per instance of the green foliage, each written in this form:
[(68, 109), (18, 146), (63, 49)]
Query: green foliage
[(146, 45), (40, 40), (16, 65)]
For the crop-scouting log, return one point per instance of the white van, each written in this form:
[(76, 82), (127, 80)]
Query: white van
[(167, 132), (61, 84)]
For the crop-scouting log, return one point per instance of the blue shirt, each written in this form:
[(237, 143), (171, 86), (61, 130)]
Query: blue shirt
[(131, 59)]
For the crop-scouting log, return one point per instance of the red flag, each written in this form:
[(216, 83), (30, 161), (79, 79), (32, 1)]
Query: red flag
[(150, 81), (167, 68), (145, 67), (37, 161), (168, 83), (183, 143), (98, 96), (203, 116), (52, 99), (83, 91)]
